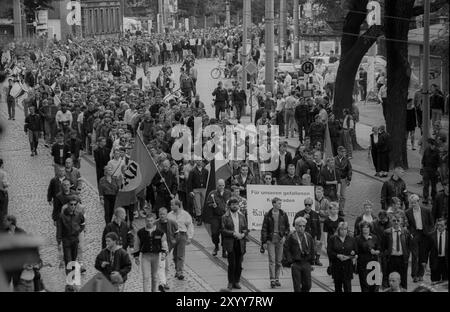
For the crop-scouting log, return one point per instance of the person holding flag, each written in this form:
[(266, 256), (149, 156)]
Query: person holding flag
[(166, 186)]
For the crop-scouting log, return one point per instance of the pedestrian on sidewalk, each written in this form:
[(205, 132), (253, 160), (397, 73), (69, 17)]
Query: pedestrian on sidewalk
[(184, 236), (60, 151), (439, 252), (275, 228), (10, 101), (430, 163), (150, 242), (4, 184), (420, 224), (33, 129), (216, 206), (344, 167), (341, 251), (373, 149), (394, 187), (170, 228), (114, 262), (313, 228), (368, 250), (299, 254), (234, 231), (411, 122), (69, 225), (383, 150), (396, 248)]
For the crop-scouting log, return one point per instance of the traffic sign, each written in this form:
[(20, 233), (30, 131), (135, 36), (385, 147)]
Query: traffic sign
[(251, 68), (308, 67)]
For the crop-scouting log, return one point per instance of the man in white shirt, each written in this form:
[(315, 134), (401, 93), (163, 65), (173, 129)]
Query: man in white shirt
[(64, 119), (184, 237)]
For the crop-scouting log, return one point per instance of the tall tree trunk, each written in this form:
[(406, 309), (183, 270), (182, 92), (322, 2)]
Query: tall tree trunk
[(353, 49), (398, 76)]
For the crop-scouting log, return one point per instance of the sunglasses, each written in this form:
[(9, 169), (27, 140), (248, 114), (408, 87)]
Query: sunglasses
[(308, 204), (396, 221), (73, 204)]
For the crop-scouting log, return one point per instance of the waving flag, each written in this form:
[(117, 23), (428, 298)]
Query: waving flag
[(140, 171)]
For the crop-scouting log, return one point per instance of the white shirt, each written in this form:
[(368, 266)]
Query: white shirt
[(394, 243), (64, 117), (128, 117), (235, 217), (418, 218), (117, 164), (280, 104), (439, 236)]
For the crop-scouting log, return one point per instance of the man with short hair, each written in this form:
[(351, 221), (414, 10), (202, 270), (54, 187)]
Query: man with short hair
[(344, 167), (312, 226), (73, 175), (299, 253), (60, 151), (394, 187), (196, 187), (216, 206), (439, 252), (120, 227), (274, 230), (113, 261), (420, 224), (101, 157), (150, 242), (184, 237), (430, 164), (33, 129), (290, 178), (394, 283), (61, 199), (234, 233)]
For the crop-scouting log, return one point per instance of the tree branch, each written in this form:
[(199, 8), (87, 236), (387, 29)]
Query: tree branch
[(365, 41), (434, 6)]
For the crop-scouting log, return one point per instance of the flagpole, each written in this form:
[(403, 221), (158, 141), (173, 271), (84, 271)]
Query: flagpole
[(157, 168)]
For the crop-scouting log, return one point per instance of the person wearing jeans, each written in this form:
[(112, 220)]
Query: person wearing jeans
[(184, 235), (274, 230), (150, 243), (33, 129)]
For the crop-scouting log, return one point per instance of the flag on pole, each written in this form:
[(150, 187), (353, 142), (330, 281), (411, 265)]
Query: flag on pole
[(328, 148), (139, 173)]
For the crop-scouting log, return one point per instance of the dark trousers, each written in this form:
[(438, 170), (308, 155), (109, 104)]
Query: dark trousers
[(362, 274), (430, 178), (12, 109), (100, 173), (216, 230), (220, 107), (301, 276), (235, 263), (130, 213), (383, 106), (342, 285), (439, 270), (363, 88), (109, 202), (70, 252), (384, 270), (383, 161), (3, 205), (374, 154), (161, 200), (398, 264), (419, 253), (33, 137), (419, 118), (238, 107), (302, 124)]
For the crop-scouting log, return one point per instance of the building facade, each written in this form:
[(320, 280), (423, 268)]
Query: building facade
[(102, 18)]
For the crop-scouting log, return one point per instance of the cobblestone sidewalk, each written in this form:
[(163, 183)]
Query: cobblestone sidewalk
[(29, 178)]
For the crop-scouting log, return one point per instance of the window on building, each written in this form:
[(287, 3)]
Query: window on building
[(91, 22), (96, 28), (102, 21)]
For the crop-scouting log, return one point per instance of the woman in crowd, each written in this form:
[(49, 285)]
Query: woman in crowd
[(368, 250), (341, 251), (367, 216)]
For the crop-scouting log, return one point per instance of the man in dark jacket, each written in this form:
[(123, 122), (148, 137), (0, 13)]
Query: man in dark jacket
[(166, 187), (196, 188), (312, 227), (285, 159), (439, 252), (60, 151), (430, 164), (440, 203), (55, 186), (239, 99), (120, 227), (68, 228), (317, 131), (299, 254), (48, 112), (101, 157), (420, 224), (275, 228), (61, 199), (33, 129), (290, 178), (301, 118), (394, 187), (344, 167), (216, 206), (113, 261), (335, 128), (221, 99)]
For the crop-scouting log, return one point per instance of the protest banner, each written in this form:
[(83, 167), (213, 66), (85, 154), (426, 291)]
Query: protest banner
[(259, 201)]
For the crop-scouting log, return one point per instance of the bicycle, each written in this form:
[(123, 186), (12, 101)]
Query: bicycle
[(217, 72)]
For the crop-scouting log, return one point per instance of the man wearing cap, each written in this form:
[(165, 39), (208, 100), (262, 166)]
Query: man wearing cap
[(216, 206), (299, 254), (430, 164)]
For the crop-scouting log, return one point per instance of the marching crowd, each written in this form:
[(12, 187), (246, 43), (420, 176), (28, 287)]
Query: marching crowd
[(83, 97)]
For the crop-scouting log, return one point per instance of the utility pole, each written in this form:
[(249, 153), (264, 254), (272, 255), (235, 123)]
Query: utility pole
[(296, 30), (269, 40), (161, 16), (17, 13), (228, 16), (244, 43), (426, 74), (283, 26)]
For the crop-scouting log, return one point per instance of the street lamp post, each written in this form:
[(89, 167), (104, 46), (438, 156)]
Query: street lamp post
[(244, 43), (269, 40), (283, 26), (228, 14), (426, 73), (296, 21)]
